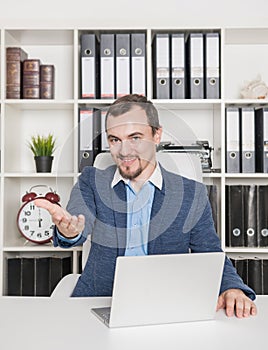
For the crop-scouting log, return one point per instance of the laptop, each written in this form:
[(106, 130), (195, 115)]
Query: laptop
[(159, 289)]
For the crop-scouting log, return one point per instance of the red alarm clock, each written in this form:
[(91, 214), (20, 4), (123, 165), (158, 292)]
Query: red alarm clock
[(35, 223)]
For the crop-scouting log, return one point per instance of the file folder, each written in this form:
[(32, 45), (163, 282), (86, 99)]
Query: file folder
[(247, 140), (122, 64), (234, 216), (138, 63), (89, 136), (255, 274), (261, 137), (107, 66), (241, 265), (104, 142), (89, 66), (250, 215), (178, 66), (232, 140), (161, 66), (262, 215), (196, 65), (212, 65)]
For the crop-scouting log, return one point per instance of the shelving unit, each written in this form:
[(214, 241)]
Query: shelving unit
[(244, 55)]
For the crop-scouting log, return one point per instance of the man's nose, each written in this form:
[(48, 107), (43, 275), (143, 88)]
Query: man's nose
[(125, 148)]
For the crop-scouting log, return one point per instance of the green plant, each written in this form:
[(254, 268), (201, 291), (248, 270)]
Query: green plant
[(42, 145)]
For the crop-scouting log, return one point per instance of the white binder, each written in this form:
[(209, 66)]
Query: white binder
[(232, 140)]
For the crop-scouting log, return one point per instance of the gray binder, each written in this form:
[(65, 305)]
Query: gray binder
[(122, 64), (138, 64), (232, 140), (196, 65), (107, 66), (89, 66), (178, 66), (247, 140), (162, 66), (212, 65)]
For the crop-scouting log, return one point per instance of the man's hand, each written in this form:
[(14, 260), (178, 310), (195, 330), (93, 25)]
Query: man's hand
[(234, 301), (69, 226)]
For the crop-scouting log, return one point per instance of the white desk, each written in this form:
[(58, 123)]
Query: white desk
[(47, 324)]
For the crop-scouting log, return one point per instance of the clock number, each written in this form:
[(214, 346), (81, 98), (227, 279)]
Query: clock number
[(24, 220), (32, 206), (27, 213), (46, 233), (26, 227)]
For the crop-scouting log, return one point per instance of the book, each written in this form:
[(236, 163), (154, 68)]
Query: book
[(31, 78), (47, 81), (14, 59)]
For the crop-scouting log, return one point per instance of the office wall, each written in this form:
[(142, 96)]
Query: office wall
[(59, 13)]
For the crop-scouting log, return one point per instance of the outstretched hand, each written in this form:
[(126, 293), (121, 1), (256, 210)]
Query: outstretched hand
[(68, 225), (234, 301)]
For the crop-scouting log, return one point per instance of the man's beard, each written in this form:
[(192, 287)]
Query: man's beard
[(130, 176)]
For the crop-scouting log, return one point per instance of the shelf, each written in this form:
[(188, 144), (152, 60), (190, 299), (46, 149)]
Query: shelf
[(244, 53)]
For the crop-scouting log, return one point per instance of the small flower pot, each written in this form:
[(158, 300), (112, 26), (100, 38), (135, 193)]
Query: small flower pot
[(43, 164)]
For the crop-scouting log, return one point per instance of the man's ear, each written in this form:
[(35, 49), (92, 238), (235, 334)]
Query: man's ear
[(158, 135)]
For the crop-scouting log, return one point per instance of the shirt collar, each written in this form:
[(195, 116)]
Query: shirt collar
[(156, 178)]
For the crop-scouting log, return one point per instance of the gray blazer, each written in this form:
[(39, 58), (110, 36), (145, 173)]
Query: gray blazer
[(181, 222)]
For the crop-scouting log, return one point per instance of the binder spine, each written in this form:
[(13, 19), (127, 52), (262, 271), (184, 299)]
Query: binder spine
[(138, 63), (232, 140), (107, 66), (212, 65), (162, 66), (247, 123), (196, 65), (178, 66), (89, 66), (122, 64)]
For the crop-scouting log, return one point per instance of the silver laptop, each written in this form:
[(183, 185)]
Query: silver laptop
[(158, 289)]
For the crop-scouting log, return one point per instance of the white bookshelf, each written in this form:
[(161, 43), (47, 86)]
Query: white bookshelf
[(244, 54)]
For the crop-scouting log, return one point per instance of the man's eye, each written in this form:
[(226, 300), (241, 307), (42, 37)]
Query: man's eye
[(136, 138), (114, 140)]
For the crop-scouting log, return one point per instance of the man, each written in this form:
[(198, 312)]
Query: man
[(137, 208)]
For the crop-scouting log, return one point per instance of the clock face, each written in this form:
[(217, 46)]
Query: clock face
[(35, 223)]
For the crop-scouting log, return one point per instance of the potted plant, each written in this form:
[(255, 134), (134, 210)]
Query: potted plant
[(43, 148)]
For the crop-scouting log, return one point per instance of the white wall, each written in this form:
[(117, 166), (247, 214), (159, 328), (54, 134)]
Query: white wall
[(144, 13)]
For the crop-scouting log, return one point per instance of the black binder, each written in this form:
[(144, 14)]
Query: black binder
[(28, 275), (161, 63), (59, 267), (250, 215), (234, 216), (14, 285), (261, 140), (241, 266), (255, 275), (265, 276), (89, 136), (262, 215), (42, 276), (89, 66)]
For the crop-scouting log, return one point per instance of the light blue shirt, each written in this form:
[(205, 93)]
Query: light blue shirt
[(139, 206)]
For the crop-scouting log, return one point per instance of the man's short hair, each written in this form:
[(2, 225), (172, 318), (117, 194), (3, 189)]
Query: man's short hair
[(126, 103)]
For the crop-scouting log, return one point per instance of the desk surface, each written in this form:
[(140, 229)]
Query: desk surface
[(47, 324)]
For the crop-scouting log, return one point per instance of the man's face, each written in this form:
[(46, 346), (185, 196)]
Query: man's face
[(132, 144)]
